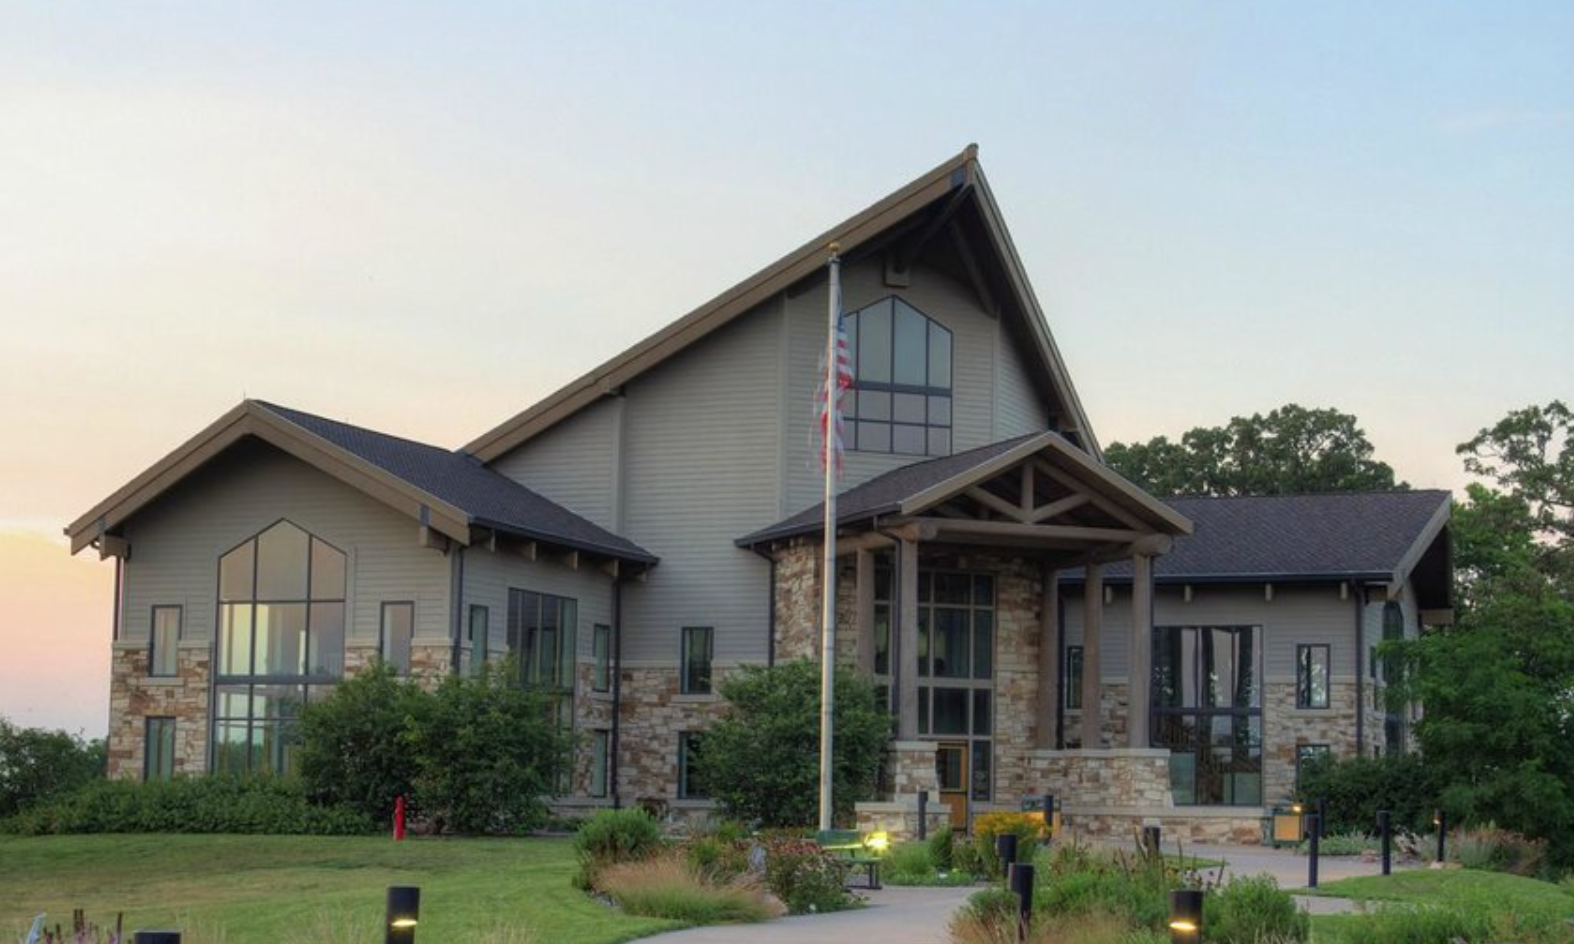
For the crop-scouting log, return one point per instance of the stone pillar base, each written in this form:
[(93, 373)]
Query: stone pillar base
[(912, 766)]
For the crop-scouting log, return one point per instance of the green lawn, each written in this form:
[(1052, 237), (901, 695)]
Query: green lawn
[(296, 889), (1428, 886)]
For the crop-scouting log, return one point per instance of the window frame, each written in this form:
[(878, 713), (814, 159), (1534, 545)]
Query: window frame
[(382, 636), (168, 757), (157, 652), (1303, 752), (930, 390), (688, 681), (1304, 690), (601, 657), (1202, 715), (689, 743), (1071, 675)]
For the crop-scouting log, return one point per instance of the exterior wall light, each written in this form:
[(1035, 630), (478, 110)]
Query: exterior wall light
[(1186, 916), (1285, 825), (404, 912)]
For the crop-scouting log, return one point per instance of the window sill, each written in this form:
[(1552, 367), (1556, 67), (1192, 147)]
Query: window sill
[(161, 681), (695, 698)]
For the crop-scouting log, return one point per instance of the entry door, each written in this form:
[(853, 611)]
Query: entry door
[(951, 766)]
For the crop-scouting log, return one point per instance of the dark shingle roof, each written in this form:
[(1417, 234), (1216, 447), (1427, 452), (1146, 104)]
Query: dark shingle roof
[(490, 499), (1360, 534), (884, 494)]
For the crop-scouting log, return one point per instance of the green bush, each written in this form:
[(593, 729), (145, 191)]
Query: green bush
[(805, 877), (487, 752), (1254, 909), (1342, 844), (355, 744), (1355, 789), (1499, 850), (38, 765), (213, 804), (992, 907), (1076, 881), (941, 846), (990, 826), (667, 887), (761, 757), (613, 836)]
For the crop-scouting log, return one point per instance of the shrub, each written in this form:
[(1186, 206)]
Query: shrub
[(355, 743), (941, 846), (1499, 850), (1342, 844), (666, 886), (613, 836), (38, 765), (213, 804), (1253, 909), (487, 752), (1029, 831), (760, 759), (806, 877), (1355, 789), (717, 857), (1077, 881), (990, 917)]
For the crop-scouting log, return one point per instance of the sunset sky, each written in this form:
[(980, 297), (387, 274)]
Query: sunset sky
[(424, 217)]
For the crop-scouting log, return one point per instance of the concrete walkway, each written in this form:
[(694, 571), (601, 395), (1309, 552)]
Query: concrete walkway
[(893, 916)]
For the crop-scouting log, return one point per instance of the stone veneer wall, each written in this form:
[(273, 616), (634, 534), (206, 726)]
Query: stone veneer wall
[(1286, 727), (651, 716), (798, 605), (134, 697)]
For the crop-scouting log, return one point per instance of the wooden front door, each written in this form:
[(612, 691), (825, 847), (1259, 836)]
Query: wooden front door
[(951, 768)]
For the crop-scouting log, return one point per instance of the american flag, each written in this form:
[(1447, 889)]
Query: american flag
[(844, 382)]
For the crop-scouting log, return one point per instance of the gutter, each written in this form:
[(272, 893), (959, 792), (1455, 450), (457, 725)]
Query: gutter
[(457, 589), (617, 693)]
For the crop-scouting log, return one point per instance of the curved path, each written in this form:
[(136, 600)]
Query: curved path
[(893, 916)]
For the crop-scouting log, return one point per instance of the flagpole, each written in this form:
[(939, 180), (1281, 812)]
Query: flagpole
[(828, 571)]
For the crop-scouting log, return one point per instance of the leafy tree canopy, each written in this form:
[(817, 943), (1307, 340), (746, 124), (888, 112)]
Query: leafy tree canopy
[(1292, 450), (38, 765)]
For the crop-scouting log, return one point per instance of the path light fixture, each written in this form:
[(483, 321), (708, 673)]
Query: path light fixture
[(1440, 820), (923, 815), (1186, 916), (156, 937), (1006, 850), (404, 913), (1385, 830), (1019, 879), (1314, 832)]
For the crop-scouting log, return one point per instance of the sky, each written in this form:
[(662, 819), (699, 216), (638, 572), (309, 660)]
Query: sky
[(424, 217)]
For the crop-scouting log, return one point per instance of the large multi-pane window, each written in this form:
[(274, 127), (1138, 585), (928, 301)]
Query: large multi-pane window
[(164, 641), (956, 665), (281, 643), (1311, 676), (699, 648), (883, 590), (542, 634), (1207, 705), (159, 749), (901, 396)]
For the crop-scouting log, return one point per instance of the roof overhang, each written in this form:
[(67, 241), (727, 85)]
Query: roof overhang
[(956, 183)]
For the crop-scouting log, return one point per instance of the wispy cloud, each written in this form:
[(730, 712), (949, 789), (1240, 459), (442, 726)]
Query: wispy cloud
[(1504, 119)]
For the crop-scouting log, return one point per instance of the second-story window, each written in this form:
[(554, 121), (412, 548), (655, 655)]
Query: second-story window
[(698, 649), (901, 397)]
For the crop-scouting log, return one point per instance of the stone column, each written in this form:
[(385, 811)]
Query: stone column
[(1092, 684), (1140, 660), (863, 594), (906, 655), (1048, 661)]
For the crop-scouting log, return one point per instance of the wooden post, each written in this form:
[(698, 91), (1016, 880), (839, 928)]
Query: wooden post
[(1092, 624), (907, 637), (1048, 661), (1140, 656)]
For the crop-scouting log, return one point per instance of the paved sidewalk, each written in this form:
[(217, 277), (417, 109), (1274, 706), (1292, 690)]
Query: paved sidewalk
[(893, 916)]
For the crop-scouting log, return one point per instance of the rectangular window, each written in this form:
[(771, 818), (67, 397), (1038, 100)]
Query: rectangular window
[(480, 634), (601, 643), (1311, 676), (1308, 754), (164, 641), (1073, 678), (690, 743), (600, 757), (1207, 710), (398, 628), (698, 649), (159, 749), (542, 630)]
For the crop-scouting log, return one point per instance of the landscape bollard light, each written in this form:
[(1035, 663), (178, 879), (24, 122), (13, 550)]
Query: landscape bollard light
[(1153, 839), (1006, 851), (1441, 822), (1020, 881), (1385, 831), (1051, 818), (1186, 916), (404, 912), (923, 815), (155, 937), (1313, 834)]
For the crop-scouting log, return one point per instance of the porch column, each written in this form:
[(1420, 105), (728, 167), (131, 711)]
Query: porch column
[(863, 595), (1048, 661), (1140, 659), (1092, 624), (907, 637)]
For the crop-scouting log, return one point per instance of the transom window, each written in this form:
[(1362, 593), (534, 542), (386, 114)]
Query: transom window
[(1207, 704), (901, 397), (281, 643)]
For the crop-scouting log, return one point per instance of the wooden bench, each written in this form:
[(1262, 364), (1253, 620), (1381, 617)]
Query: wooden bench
[(847, 845)]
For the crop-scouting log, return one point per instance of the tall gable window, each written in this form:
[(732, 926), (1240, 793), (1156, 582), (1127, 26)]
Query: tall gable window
[(281, 643), (901, 398)]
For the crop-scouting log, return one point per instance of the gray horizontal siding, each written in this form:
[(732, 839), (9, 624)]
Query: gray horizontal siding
[(574, 463), (1019, 408), (176, 543), (489, 576)]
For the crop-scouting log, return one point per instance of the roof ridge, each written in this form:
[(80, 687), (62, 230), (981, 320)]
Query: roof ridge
[(1350, 494), (281, 410)]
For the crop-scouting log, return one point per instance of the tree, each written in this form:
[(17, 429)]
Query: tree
[(1530, 455), (36, 765), (761, 758), (1291, 450)]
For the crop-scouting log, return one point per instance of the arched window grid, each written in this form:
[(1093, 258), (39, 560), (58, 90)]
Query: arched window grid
[(901, 401)]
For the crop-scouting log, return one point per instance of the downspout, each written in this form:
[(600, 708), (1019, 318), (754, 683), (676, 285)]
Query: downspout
[(114, 619), (458, 591), (1356, 593), (617, 689)]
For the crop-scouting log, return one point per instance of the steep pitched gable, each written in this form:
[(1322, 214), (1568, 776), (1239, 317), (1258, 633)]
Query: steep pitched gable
[(952, 198)]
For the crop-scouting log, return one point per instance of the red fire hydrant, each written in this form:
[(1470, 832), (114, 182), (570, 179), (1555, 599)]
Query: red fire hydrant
[(399, 818)]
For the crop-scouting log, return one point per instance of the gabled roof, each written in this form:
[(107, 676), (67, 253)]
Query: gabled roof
[(954, 190), (448, 491), (915, 488), (1360, 535)]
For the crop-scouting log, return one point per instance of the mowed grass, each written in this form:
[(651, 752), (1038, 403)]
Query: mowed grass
[(1447, 886), (300, 889)]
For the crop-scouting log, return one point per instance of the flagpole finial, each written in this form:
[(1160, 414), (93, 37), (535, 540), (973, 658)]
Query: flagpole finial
[(835, 247)]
